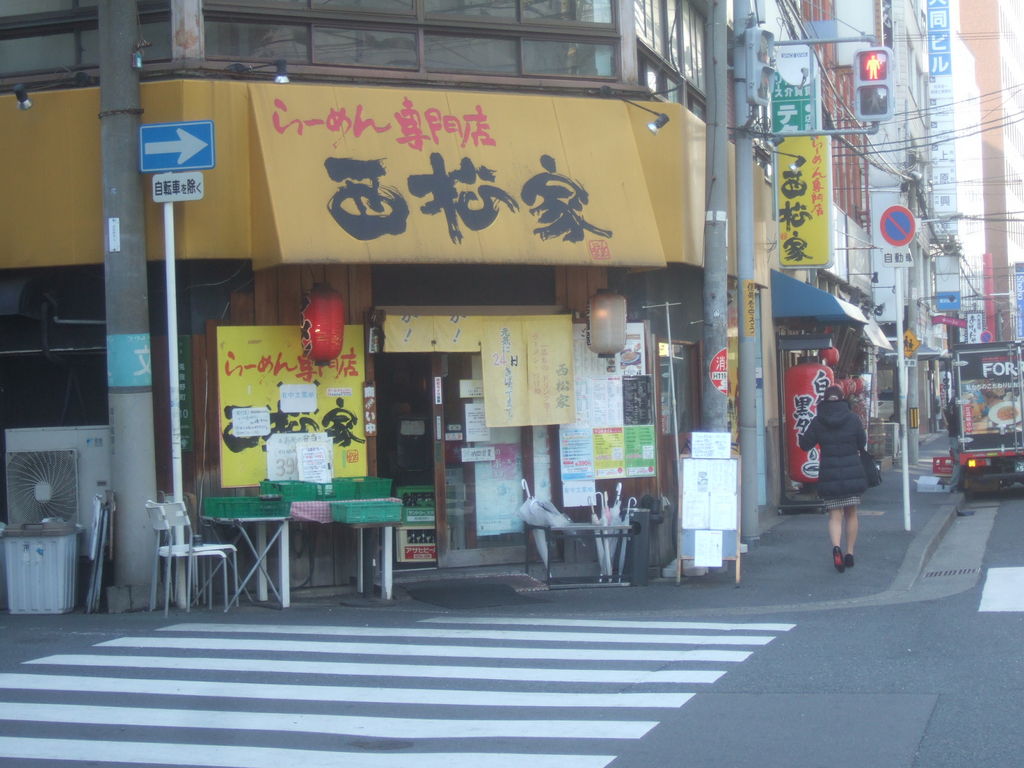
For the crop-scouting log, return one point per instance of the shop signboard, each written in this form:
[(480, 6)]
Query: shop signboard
[(254, 364)]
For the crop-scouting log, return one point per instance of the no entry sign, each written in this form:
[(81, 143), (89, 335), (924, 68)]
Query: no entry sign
[(897, 225)]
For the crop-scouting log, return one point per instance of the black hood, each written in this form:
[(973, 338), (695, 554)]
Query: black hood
[(833, 412)]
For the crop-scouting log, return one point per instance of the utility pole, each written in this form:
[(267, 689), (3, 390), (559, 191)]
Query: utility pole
[(714, 403), (748, 292), (129, 368)]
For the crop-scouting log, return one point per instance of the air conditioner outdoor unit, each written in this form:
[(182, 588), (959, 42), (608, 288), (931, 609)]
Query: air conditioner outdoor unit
[(55, 472)]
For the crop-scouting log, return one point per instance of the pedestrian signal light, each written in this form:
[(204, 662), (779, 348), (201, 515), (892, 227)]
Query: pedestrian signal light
[(872, 85), (758, 54)]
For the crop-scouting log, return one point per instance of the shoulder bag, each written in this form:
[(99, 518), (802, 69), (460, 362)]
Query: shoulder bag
[(871, 470)]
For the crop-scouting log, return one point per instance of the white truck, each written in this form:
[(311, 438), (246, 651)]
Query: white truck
[(988, 383)]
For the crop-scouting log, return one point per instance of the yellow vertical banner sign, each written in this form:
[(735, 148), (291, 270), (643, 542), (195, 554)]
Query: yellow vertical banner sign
[(550, 369), (803, 187), (506, 387), (749, 324), (268, 388)]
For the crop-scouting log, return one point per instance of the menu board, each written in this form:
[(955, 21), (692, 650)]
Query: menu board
[(637, 400)]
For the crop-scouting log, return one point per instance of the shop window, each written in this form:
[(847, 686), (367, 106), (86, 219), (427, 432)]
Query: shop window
[(235, 40), (452, 53), (567, 58), (370, 6), (493, 9), (365, 48), (595, 12)]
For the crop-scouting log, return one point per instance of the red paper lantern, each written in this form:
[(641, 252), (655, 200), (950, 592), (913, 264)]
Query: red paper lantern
[(830, 356), (804, 384), (323, 324)]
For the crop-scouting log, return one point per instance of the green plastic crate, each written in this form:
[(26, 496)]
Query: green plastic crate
[(297, 490), (416, 495), (366, 511), (243, 506), (352, 488), (418, 515)]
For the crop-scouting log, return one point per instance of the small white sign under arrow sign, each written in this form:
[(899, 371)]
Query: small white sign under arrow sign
[(177, 187)]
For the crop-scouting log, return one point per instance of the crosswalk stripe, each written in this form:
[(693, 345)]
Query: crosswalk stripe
[(217, 756), (609, 624), (477, 634), (375, 694), (518, 674), (376, 727), (416, 688), (1003, 590), (397, 649)]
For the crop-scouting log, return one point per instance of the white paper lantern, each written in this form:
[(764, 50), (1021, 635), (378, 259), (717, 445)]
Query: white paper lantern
[(606, 316)]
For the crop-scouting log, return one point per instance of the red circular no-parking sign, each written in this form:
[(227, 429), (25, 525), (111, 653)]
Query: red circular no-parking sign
[(897, 225)]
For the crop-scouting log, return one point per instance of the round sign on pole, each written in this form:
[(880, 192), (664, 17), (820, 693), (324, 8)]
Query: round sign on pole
[(986, 336), (719, 371), (897, 225)]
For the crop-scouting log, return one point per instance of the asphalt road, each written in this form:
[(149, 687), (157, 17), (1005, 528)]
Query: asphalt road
[(626, 678)]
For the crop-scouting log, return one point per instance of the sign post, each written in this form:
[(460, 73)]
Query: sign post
[(183, 149)]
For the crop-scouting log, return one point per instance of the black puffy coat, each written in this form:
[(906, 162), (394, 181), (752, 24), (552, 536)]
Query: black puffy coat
[(840, 435)]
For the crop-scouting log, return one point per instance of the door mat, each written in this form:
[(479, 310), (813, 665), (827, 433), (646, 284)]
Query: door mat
[(467, 593)]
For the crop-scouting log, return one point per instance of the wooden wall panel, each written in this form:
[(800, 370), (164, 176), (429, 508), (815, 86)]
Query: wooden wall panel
[(265, 296)]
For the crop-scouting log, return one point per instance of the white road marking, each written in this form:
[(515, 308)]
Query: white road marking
[(646, 638), (375, 727), (216, 756), (374, 694), (1003, 591), (429, 651), (611, 624), (370, 669)]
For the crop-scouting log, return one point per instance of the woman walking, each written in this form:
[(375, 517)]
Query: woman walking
[(840, 436)]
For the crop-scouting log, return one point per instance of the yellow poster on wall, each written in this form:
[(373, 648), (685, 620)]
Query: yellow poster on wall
[(267, 388), (804, 202)]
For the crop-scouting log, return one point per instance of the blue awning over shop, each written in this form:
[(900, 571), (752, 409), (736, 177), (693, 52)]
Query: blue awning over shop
[(795, 298)]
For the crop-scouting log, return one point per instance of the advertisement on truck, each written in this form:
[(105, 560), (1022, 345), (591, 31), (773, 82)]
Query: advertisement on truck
[(989, 387)]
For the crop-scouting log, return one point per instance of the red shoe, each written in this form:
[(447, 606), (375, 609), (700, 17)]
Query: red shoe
[(837, 559), (848, 560)]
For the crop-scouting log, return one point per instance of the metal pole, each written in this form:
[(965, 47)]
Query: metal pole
[(714, 403), (172, 351), (901, 366), (129, 371), (913, 373), (675, 431), (748, 301)]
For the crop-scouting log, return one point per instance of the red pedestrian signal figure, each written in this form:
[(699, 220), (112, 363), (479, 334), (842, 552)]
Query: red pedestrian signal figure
[(872, 85)]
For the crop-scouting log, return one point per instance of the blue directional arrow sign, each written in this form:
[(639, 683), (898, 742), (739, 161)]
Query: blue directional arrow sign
[(184, 146)]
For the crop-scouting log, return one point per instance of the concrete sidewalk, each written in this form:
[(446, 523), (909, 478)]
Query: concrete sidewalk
[(790, 566)]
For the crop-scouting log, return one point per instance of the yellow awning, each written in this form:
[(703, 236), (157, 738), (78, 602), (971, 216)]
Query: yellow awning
[(352, 174)]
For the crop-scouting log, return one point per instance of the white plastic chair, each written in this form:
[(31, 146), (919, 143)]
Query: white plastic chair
[(173, 532)]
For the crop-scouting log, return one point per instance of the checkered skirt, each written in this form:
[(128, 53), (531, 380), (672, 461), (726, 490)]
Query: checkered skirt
[(842, 501)]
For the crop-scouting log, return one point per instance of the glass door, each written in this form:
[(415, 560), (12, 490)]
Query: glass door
[(482, 473)]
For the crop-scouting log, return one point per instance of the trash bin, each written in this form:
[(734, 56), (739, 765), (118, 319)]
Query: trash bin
[(640, 543), (40, 563)]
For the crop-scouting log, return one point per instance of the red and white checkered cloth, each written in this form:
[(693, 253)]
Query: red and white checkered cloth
[(312, 511)]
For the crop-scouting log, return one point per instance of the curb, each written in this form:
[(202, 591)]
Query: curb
[(924, 545)]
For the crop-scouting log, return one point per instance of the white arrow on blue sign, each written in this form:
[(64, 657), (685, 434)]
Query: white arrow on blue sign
[(184, 146)]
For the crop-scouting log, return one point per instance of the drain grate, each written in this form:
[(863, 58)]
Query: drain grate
[(953, 572)]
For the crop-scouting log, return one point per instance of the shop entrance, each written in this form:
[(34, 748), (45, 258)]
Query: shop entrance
[(432, 441)]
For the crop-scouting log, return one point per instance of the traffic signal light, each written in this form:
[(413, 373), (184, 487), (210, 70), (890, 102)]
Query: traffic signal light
[(758, 55), (873, 98)]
